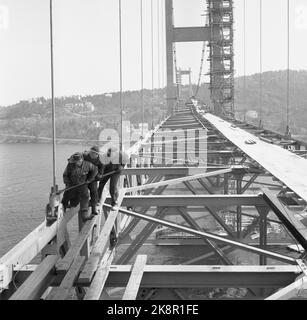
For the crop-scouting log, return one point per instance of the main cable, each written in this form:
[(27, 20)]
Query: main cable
[(288, 68), (152, 64), (52, 98), (260, 75), (120, 74), (142, 68), (158, 26), (244, 53)]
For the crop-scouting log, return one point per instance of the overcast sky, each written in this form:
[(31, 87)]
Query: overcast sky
[(86, 43)]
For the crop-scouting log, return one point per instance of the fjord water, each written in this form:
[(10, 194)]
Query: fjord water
[(25, 182)]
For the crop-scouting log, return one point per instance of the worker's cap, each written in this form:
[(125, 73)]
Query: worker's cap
[(95, 149), (76, 157)]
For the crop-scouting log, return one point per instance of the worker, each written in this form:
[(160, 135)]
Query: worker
[(93, 157), (76, 176), (113, 161)]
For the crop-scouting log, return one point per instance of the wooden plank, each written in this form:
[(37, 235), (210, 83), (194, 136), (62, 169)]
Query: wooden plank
[(100, 277), (283, 164), (62, 292), (38, 281), (32, 244), (27, 249), (135, 278), (100, 246), (64, 264), (179, 180)]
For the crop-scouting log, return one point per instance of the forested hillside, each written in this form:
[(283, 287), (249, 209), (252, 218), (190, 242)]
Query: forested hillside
[(33, 117)]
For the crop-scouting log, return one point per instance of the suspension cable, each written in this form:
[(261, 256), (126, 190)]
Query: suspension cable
[(52, 99), (120, 75), (260, 77), (152, 64), (201, 69), (201, 61), (244, 53), (288, 68), (158, 26), (175, 63), (163, 42), (142, 67)]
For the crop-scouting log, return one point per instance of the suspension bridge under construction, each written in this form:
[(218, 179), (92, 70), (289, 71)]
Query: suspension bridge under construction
[(208, 205)]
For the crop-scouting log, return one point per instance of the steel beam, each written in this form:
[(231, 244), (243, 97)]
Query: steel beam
[(184, 171), (189, 34), (212, 244), (217, 201), (211, 236), (296, 228), (205, 276), (178, 180), (292, 291)]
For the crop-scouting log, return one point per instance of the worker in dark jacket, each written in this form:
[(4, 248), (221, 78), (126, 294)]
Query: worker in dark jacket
[(78, 173), (113, 160), (92, 156)]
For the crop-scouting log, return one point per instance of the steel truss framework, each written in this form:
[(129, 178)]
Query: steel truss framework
[(173, 203)]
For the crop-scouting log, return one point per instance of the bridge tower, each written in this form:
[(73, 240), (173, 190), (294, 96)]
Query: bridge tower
[(179, 75), (218, 34)]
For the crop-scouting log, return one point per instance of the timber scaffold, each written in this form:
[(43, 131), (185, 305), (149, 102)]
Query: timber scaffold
[(198, 195)]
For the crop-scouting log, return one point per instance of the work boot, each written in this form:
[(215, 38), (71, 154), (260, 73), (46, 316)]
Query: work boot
[(113, 239), (114, 205), (90, 217), (66, 206)]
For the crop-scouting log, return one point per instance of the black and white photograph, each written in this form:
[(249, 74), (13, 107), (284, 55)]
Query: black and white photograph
[(153, 153)]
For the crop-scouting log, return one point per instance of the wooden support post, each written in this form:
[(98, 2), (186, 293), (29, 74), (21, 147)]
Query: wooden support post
[(37, 283), (135, 278)]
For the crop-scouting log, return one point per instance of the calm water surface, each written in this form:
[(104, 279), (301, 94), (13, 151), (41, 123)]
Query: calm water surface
[(25, 181)]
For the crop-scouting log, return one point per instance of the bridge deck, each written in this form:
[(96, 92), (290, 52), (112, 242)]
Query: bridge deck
[(289, 168), (192, 193)]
